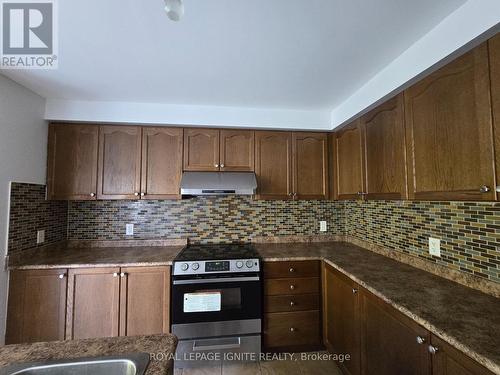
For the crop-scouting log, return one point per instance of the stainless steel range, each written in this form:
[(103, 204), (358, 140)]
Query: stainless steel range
[(217, 304)]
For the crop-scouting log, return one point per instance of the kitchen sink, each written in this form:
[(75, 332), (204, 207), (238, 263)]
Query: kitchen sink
[(127, 364)]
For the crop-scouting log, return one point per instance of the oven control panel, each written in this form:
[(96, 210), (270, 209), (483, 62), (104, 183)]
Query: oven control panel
[(215, 266)]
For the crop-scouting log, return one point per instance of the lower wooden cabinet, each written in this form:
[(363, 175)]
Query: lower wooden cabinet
[(291, 330), (45, 305), (37, 306)]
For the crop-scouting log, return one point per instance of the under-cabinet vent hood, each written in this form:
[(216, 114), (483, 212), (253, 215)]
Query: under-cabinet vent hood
[(218, 183)]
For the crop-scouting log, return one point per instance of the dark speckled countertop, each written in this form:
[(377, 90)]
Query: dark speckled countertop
[(466, 318), (110, 346)]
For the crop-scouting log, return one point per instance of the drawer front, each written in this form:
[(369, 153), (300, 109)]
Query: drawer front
[(276, 270), (291, 303), (291, 286), (292, 329)]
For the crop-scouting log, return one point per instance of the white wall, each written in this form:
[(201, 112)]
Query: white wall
[(23, 148)]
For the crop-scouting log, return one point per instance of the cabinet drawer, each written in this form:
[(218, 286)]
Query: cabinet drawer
[(291, 286), (291, 303), (292, 329), (307, 268)]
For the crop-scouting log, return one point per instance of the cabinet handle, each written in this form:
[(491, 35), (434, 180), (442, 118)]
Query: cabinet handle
[(433, 349), (498, 189), (290, 194), (92, 195), (362, 193), (291, 270), (222, 165), (115, 274), (216, 165), (292, 287), (484, 189), (62, 276), (420, 340), (123, 274), (136, 194), (354, 290), (292, 329), (292, 303), (143, 194)]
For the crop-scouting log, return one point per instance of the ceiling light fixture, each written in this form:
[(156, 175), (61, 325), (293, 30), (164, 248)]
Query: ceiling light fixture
[(174, 9)]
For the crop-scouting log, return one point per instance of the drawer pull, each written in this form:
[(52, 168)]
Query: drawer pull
[(354, 290), (292, 287), (420, 340), (433, 349), (292, 270), (292, 303), (62, 276), (292, 329)]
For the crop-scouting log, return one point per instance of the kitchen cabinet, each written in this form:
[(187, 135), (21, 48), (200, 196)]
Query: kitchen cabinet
[(72, 162), (144, 301), (341, 320), (36, 306), (237, 150), (161, 162), (494, 48), (447, 360), (349, 159), (310, 165), (391, 343), (384, 148), (449, 132), (201, 150), (119, 167)]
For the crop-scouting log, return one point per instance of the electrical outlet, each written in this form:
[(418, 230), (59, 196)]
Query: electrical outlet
[(129, 229), (435, 246), (322, 226), (40, 236)]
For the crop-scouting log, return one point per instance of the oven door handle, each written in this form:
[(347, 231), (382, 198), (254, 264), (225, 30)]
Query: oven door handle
[(222, 280), (212, 346)]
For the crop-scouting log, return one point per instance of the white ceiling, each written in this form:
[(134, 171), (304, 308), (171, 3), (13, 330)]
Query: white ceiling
[(303, 55)]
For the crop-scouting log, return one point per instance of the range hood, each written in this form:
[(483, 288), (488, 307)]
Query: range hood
[(218, 183)]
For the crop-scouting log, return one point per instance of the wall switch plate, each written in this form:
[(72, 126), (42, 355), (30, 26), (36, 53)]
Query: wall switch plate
[(40, 236), (129, 229), (322, 226), (435, 246)]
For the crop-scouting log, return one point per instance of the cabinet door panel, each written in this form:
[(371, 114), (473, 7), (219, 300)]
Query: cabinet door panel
[(161, 162), (37, 306), (237, 150), (201, 149), (72, 161), (349, 162), (449, 132), (93, 303), (389, 341), (144, 302), (273, 157), (310, 165), (494, 48), (119, 162), (385, 150), (341, 319)]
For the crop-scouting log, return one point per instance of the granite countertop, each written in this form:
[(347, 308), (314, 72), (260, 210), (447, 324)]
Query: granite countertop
[(464, 317), (109, 346)]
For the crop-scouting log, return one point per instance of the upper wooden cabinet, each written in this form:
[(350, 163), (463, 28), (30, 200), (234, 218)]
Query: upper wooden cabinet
[(310, 165), (201, 150), (273, 164), (237, 150), (494, 48), (349, 162), (72, 161), (384, 143), (161, 162), (119, 168), (449, 132)]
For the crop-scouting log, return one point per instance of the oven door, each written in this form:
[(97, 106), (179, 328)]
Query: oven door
[(216, 299)]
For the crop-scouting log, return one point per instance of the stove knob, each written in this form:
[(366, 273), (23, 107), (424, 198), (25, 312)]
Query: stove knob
[(184, 266), (249, 263), (195, 266), (239, 264)]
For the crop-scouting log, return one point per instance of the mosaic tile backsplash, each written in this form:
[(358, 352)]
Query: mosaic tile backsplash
[(30, 212)]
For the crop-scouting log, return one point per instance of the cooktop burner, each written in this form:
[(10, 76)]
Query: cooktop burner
[(217, 252)]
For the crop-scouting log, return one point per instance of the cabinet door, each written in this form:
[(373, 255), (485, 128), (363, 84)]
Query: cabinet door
[(449, 361), (273, 158), (385, 150), (449, 132), (201, 150), (72, 161), (93, 303), (310, 165), (37, 306), (237, 150), (349, 168), (494, 47), (119, 162), (389, 341), (161, 163), (144, 301), (341, 318)]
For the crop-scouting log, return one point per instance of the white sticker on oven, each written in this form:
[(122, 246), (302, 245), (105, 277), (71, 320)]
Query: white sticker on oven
[(202, 302)]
